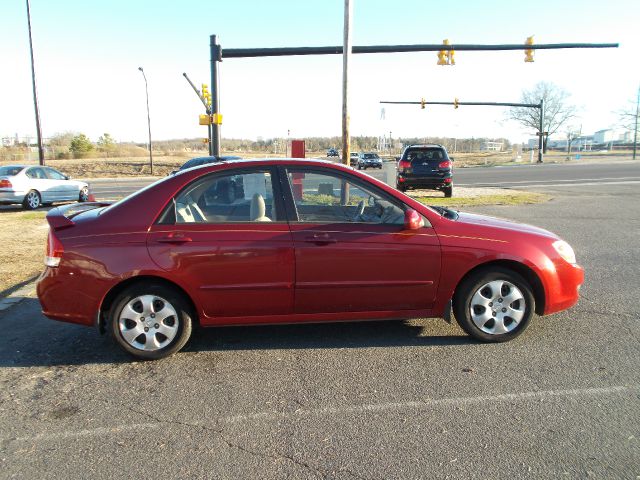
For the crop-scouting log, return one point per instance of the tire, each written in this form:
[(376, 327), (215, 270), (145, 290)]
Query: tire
[(483, 292), (448, 192), (163, 336), (32, 200), (402, 188), (83, 196)]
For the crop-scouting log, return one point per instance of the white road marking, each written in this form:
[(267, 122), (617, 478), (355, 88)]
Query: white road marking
[(422, 404), (537, 185), (567, 180)]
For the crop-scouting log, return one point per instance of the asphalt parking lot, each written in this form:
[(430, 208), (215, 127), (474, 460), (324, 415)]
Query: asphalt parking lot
[(365, 401)]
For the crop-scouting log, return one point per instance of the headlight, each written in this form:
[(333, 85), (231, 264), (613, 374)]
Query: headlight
[(565, 251)]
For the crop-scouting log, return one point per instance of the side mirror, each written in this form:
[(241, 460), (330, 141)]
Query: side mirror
[(397, 159), (413, 220), (67, 177), (451, 158)]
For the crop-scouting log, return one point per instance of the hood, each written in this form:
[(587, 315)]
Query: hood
[(503, 224)]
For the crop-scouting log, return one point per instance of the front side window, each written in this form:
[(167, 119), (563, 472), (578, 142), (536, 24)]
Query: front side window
[(328, 198), (54, 174), (245, 197)]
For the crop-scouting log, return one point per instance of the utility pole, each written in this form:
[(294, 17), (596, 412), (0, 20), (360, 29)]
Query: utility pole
[(635, 129), (35, 92), (346, 55), (146, 89)]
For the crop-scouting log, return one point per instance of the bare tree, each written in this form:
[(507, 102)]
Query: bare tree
[(556, 109), (629, 120)]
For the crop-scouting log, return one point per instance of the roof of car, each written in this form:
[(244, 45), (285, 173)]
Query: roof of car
[(426, 145)]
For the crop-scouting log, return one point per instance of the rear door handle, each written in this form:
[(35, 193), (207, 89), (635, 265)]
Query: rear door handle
[(320, 239), (175, 239)]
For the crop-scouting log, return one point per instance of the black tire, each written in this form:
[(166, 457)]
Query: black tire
[(448, 192), (32, 200), (83, 196), (504, 327), (402, 188), (181, 322)]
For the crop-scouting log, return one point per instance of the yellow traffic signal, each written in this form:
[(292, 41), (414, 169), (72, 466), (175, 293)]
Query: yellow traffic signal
[(205, 89), (455, 102), (450, 54), (205, 140), (528, 52), (422, 103), (204, 119)]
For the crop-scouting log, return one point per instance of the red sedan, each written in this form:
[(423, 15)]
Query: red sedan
[(286, 241)]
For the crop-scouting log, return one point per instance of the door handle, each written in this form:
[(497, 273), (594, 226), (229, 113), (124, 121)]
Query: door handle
[(175, 239), (320, 239)]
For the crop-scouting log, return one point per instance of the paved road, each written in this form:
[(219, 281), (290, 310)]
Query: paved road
[(524, 176), (349, 401)]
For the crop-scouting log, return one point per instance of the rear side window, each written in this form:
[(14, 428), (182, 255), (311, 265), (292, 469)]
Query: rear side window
[(36, 173), (9, 171)]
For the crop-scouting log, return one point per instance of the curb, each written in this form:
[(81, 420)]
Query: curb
[(28, 291)]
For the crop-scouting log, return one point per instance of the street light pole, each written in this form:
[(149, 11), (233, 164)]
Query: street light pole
[(35, 92), (146, 89)]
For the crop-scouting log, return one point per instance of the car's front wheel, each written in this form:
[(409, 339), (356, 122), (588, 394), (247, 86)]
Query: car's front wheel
[(494, 305), (32, 200), (150, 321)]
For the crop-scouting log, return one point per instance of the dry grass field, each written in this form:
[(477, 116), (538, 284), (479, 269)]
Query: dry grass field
[(23, 236)]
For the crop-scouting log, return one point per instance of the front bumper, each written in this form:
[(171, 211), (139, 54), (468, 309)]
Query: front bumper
[(562, 289)]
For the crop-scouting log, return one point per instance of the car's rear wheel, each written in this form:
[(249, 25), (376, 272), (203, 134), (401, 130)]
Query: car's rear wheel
[(84, 195), (402, 188), (448, 192), (150, 321), (494, 305), (32, 200)]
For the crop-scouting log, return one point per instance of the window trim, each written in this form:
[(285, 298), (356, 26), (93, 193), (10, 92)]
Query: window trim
[(168, 214), (292, 211)]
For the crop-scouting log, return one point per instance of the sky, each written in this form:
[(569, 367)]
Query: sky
[(87, 55)]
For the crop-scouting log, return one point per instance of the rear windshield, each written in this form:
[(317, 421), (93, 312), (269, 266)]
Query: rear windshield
[(10, 170), (425, 154)]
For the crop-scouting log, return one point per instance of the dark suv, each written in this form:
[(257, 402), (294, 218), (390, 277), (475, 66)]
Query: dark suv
[(425, 166)]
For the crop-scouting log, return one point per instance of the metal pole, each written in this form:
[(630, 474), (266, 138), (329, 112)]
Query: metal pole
[(35, 92), (215, 94), (540, 140), (206, 108), (346, 139), (146, 89), (635, 130)]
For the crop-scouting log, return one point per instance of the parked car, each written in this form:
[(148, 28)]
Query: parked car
[(368, 160), (288, 241), (332, 152), (425, 166), (353, 159), (198, 161), (33, 186)]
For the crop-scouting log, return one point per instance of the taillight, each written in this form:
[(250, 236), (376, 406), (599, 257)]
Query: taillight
[(445, 164), (404, 165), (54, 251), (4, 183)]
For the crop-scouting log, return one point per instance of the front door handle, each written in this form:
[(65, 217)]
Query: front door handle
[(175, 239), (320, 239)]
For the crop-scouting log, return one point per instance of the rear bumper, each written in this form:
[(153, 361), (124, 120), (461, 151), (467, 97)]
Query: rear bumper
[(63, 298), (425, 182), (11, 196)]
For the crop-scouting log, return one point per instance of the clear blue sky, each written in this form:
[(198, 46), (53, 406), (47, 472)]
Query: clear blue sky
[(88, 53)]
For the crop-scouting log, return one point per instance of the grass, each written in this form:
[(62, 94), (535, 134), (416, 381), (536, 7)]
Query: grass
[(515, 198), (23, 236)]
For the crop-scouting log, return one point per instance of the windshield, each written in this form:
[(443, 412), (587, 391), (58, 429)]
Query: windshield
[(10, 170), (370, 155), (425, 154)]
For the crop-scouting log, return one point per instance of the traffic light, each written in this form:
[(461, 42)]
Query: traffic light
[(206, 94), (528, 52), (204, 119), (450, 55), (455, 102), (422, 103), (446, 57)]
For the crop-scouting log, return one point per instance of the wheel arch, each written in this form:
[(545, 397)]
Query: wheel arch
[(520, 268), (109, 298)]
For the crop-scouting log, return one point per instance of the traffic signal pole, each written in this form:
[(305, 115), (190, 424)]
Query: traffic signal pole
[(456, 103), (218, 53)]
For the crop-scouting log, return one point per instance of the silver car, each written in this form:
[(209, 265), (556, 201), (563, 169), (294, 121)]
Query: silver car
[(33, 186)]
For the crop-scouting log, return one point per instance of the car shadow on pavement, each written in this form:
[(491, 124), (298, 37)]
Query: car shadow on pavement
[(30, 340)]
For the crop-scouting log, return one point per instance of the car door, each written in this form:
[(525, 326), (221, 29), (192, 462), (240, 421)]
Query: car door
[(226, 236), (61, 188), (351, 248), (39, 181)]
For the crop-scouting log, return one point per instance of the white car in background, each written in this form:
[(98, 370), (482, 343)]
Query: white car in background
[(33, 186)]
